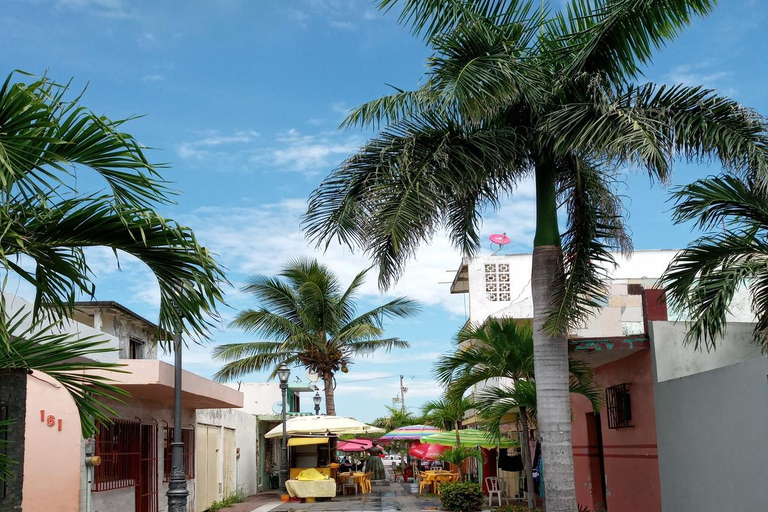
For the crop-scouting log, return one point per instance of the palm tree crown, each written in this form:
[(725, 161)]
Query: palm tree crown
[(514, 92), (311, 322)]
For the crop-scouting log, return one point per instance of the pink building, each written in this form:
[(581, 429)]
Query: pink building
[(134, 451)]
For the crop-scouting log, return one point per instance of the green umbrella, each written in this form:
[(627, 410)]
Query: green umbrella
[(469, 437)]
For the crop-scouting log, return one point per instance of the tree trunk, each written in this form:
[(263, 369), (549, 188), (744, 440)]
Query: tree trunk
[(13, 400), (330, 401), (527, 458), (551, 352)]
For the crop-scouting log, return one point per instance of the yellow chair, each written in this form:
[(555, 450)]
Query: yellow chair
[(365, 483)]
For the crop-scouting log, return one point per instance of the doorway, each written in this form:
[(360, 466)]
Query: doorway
[(146, 488), (596, 461)]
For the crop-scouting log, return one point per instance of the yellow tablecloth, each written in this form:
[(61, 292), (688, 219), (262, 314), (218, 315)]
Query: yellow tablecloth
[(311, 488)]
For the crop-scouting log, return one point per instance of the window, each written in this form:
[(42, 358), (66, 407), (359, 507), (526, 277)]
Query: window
[(118, 445), (619, 406), (188, 438), (497, 282), (136, 349)]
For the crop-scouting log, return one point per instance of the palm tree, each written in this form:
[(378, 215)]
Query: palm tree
[(312, 323), (702, 280), (511, 94), (48, 140), (449, 412), (397, 418), (502, 348)]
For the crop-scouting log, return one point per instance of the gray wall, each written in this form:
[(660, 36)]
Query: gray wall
[(712, 430)]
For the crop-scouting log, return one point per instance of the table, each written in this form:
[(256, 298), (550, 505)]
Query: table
[(435, 478), (311, 488), (359, 480)]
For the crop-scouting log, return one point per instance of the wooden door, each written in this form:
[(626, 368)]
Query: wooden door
[(207, 472), (230, 461)]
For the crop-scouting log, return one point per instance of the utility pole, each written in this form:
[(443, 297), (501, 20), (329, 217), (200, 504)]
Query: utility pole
[(402, 394)]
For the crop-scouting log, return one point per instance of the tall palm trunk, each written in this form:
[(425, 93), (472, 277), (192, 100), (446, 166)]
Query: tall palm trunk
[(330, 401), (13, 397), (527, 457), (551, 352)]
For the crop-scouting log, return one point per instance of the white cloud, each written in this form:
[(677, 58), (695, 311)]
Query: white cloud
[(153, 78), (107, 8), (342, 25), (700, 74), (308, 153), (261, 239), (147, 40), (200, 149)]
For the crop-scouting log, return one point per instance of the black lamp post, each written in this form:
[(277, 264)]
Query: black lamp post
[(177, 485), (284, 373), (317, 399)]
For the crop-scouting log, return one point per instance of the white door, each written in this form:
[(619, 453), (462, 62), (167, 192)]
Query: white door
[(207, 473)]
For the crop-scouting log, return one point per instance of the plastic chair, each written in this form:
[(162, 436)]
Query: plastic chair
[(349, 483), (365, 483), (492, 484), (423, 482)]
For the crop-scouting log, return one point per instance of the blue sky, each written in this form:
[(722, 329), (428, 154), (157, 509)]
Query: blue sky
[(243, 98)]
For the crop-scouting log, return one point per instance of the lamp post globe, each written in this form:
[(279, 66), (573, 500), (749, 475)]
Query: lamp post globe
[(316, 399), (283, 374)]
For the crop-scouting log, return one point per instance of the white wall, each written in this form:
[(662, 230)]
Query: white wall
[(244, 425), (672, 359), (16, 304), (258, 397)]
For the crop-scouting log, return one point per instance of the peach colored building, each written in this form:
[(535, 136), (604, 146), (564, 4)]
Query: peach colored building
[(135, 453)]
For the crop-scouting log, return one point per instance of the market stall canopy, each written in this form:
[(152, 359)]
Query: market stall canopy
[(354, 445), (322, 425), (426, 451), (410, 433), (469, 437)]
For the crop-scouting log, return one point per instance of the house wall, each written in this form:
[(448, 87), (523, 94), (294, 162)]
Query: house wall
[(244, 424), (149, 412), (52, 459), (123, 328), (675, 359), (258, 397), (630, 454), (712, 419)]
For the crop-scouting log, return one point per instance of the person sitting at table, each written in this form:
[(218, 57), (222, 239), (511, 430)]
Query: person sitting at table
[(345, 466), (374, 464)]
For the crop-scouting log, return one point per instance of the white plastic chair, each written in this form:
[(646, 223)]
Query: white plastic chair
[(492, 484), (349, 483)]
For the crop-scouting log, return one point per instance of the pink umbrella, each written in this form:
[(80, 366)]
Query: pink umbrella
[(426, 451), (354, 445)]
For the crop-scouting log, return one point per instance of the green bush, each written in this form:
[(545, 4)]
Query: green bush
[(461, 496), (516, 508)]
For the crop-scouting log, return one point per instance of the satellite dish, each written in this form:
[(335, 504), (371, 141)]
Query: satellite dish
[(313, 376), (277, 407), (498, 241)]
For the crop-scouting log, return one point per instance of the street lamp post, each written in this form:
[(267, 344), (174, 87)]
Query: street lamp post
[(284, 373), (317, 399), (177, 485)]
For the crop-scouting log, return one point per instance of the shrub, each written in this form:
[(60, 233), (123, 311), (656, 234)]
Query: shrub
[(461, 496), (516, 508)]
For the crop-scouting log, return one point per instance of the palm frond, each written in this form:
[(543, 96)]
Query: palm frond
[(617, 37), (595, 225)]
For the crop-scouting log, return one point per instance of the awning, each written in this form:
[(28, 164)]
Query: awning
[(304, 441), (322, 425)]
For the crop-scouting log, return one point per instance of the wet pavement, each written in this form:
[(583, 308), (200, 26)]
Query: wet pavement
[(395, 497)]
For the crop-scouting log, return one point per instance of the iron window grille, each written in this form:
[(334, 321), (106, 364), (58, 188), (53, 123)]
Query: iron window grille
[(119, 446), (618, 406), (188, 438)]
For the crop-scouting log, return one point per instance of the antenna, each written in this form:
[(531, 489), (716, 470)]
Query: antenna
[(313, 376), (498, 241)]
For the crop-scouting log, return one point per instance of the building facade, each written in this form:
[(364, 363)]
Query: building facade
[(135, 449)]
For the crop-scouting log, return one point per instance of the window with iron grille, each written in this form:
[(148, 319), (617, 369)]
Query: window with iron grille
[(119, 446), (619, 406), (188, 438)]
